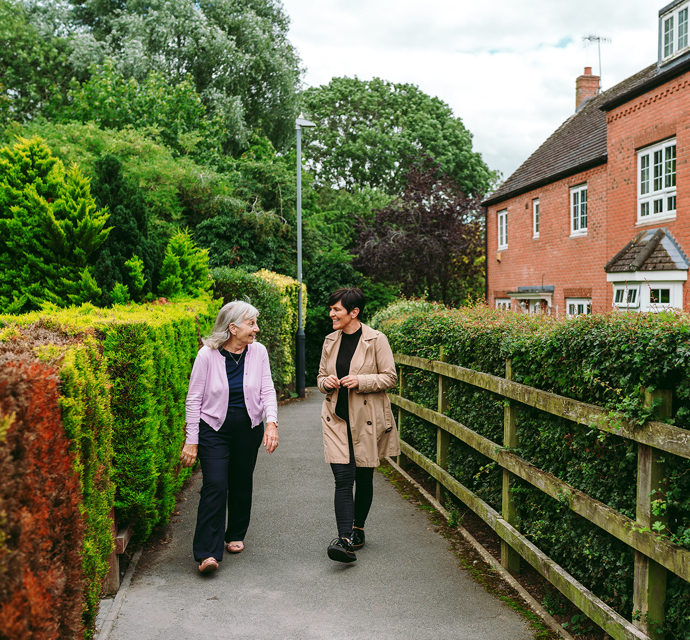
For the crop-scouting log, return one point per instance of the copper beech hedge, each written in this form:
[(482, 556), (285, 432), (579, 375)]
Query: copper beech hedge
[(41, 523)]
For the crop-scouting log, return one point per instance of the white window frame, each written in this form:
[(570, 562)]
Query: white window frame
[(578, 210), (629, 297), (536, 210), (502, 219), (583, 306), (656, 182), (503, 304), (674, 32)]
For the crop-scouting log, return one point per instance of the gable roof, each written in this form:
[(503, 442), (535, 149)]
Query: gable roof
[(649, 250), (578, 144)]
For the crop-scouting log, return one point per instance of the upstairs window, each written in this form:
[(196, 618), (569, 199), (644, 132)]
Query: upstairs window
[(578, 209), (503, 229), (578, 306), (674, 32), (656, 193), (535, 218)]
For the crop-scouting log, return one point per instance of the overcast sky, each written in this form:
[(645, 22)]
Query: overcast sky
[(506, 67)]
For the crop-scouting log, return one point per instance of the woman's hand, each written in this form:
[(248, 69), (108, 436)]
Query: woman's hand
[(351, 382), (188, 455), (331, 383), (271, 437)]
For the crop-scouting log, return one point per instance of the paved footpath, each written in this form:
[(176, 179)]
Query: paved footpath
[(405, 585)]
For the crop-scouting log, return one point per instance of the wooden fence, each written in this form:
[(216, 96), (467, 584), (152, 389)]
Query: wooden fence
[(654, 554)]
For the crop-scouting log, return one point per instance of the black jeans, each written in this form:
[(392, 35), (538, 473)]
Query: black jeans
[(228, 458), (351, 511)]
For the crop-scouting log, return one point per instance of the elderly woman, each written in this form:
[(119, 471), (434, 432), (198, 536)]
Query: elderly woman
[(358, 427), (230, 393)]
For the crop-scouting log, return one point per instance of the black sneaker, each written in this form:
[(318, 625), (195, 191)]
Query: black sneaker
[(340, 550), (357, 538)]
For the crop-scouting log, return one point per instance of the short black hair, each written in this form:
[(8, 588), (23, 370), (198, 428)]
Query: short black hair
[(350, 297)]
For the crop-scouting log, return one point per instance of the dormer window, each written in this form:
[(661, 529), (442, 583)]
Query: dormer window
[(674, 31)]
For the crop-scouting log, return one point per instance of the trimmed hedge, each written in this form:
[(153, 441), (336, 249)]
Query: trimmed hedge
[(41, 525), (606, 360), (276, 298), (123, 374)]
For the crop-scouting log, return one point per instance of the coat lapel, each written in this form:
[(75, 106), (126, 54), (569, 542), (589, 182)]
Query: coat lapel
[(360, 355)]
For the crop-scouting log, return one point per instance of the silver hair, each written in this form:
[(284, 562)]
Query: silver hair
[(234, 312)]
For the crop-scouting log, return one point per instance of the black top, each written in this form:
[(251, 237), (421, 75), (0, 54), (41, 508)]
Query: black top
[(348, 346), (234, 367)]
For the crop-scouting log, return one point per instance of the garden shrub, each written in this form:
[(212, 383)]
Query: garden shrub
[(607, 360), (41, 524), (275, 296)]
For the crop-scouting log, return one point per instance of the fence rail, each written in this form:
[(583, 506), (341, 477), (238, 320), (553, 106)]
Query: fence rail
[(654, 554)]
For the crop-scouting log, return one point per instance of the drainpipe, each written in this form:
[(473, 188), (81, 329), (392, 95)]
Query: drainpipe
[(486, 254)]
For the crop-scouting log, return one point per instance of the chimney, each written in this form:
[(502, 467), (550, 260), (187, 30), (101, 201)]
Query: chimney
[(586, 87)]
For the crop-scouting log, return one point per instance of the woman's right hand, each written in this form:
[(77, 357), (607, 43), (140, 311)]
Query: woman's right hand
[(331, 382), (188, 455)]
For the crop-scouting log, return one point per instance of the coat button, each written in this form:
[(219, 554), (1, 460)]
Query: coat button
[(328, 419), (365, 402), (368, 421), (328, 399)]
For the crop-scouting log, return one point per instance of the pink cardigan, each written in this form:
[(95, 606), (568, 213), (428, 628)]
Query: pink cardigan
[(208, 390)]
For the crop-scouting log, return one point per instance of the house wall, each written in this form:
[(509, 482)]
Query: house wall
[(577, 263), (651, 118), (573, 264)]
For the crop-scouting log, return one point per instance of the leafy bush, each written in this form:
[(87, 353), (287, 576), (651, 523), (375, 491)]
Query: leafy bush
[(606, 360), (185, 268), (275, 297)]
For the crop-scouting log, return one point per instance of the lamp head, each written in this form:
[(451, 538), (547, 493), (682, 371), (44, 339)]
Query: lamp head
[(301, 122)]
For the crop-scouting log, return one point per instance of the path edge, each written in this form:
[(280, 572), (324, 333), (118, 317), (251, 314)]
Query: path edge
[(487, 557), (115, 607)]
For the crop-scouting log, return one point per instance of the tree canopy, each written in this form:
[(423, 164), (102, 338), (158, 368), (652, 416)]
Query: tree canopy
[(369, 132), (236, 53), (430, 241)]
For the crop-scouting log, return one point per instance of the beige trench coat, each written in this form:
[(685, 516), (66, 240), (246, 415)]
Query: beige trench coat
[(374, 433)]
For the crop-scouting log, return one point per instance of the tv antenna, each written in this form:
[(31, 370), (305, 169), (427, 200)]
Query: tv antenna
[(589, 39)]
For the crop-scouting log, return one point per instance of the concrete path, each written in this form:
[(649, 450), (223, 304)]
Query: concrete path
[(405, 585)]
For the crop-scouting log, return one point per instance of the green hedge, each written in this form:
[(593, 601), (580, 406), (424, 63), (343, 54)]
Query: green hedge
[(276, 298), (606, 360), (124, 375)]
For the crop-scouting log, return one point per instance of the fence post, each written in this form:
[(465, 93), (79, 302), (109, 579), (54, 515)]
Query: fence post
[(442, 436), (650, 577), (510, 559), (402, 458), (112, 581)]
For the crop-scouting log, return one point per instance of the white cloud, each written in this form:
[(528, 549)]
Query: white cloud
[(506, 68)]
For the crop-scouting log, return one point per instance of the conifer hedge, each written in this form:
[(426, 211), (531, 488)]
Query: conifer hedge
[(606, 360), (120, 380)]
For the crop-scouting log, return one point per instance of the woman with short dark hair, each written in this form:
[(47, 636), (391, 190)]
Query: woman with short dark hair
[(358, 426)]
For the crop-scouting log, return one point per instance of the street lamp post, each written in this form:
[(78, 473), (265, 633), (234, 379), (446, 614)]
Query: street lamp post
[(301, 339)]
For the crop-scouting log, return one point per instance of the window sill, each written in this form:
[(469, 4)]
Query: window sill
[(646, 222), (536, 237), (578, 234), (505, 248)]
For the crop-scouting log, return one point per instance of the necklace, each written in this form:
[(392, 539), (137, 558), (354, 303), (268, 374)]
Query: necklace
[(237, 362)]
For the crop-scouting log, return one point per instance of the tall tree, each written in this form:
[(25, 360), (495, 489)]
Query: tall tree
[(430, 241), (50, 230), (236, 51), (368, 132), (34, 65)]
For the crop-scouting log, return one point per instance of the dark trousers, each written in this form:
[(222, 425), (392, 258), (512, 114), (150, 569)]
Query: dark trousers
[(228, 458), (351, 510)]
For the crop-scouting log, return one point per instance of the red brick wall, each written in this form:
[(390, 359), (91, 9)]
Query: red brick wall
[(554, 258), (650, 118), (573, 263)]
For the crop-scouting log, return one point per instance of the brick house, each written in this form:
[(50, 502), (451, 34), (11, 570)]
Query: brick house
[(599, 216)]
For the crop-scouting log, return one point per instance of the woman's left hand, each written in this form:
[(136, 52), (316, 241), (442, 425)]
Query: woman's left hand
[(351, 382), (271, 437)]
